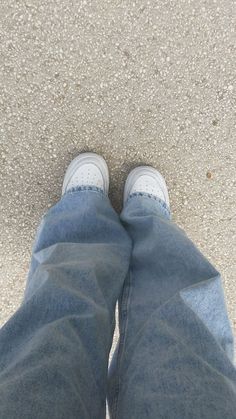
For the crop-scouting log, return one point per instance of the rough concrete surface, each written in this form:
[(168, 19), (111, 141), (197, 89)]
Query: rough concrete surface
[(137, 81)]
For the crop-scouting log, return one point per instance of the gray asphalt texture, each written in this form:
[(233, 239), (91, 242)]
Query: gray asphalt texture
[(137, 81)]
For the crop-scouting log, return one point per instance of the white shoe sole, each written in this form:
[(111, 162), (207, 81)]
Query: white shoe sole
[(87, 158), (145, 171)]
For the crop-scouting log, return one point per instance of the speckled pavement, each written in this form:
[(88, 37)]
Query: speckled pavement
[(137, 81)]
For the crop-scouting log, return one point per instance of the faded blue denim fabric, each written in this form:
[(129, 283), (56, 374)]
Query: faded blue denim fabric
[(54, 350), (174, 359)]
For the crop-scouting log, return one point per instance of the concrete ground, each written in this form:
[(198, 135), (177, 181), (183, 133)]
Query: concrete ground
[(137, 81)]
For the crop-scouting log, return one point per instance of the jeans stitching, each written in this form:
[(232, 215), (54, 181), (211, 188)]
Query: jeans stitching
[(162, 204), (85, 188), (124, 322)]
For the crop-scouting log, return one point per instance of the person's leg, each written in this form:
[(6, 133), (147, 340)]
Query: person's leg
[(54, 350), (175, 354)]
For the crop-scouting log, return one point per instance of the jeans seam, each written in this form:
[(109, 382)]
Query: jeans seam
[(124, 323)]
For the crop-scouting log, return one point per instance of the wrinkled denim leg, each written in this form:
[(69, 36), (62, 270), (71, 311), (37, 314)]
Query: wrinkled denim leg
[(174, 360), (54, 350)]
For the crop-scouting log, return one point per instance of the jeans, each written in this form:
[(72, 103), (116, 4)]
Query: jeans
[(174, 358)]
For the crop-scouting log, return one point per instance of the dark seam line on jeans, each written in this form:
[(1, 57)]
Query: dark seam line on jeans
[(124, 322)]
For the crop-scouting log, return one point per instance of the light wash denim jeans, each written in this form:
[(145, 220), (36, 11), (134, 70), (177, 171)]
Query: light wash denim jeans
[(174, 359)]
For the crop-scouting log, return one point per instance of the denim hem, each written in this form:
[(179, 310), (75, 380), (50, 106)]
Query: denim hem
[(164, 207), (85, 188)]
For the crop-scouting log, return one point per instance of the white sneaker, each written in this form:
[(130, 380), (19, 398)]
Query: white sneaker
[(88, 169), (146, 179)]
